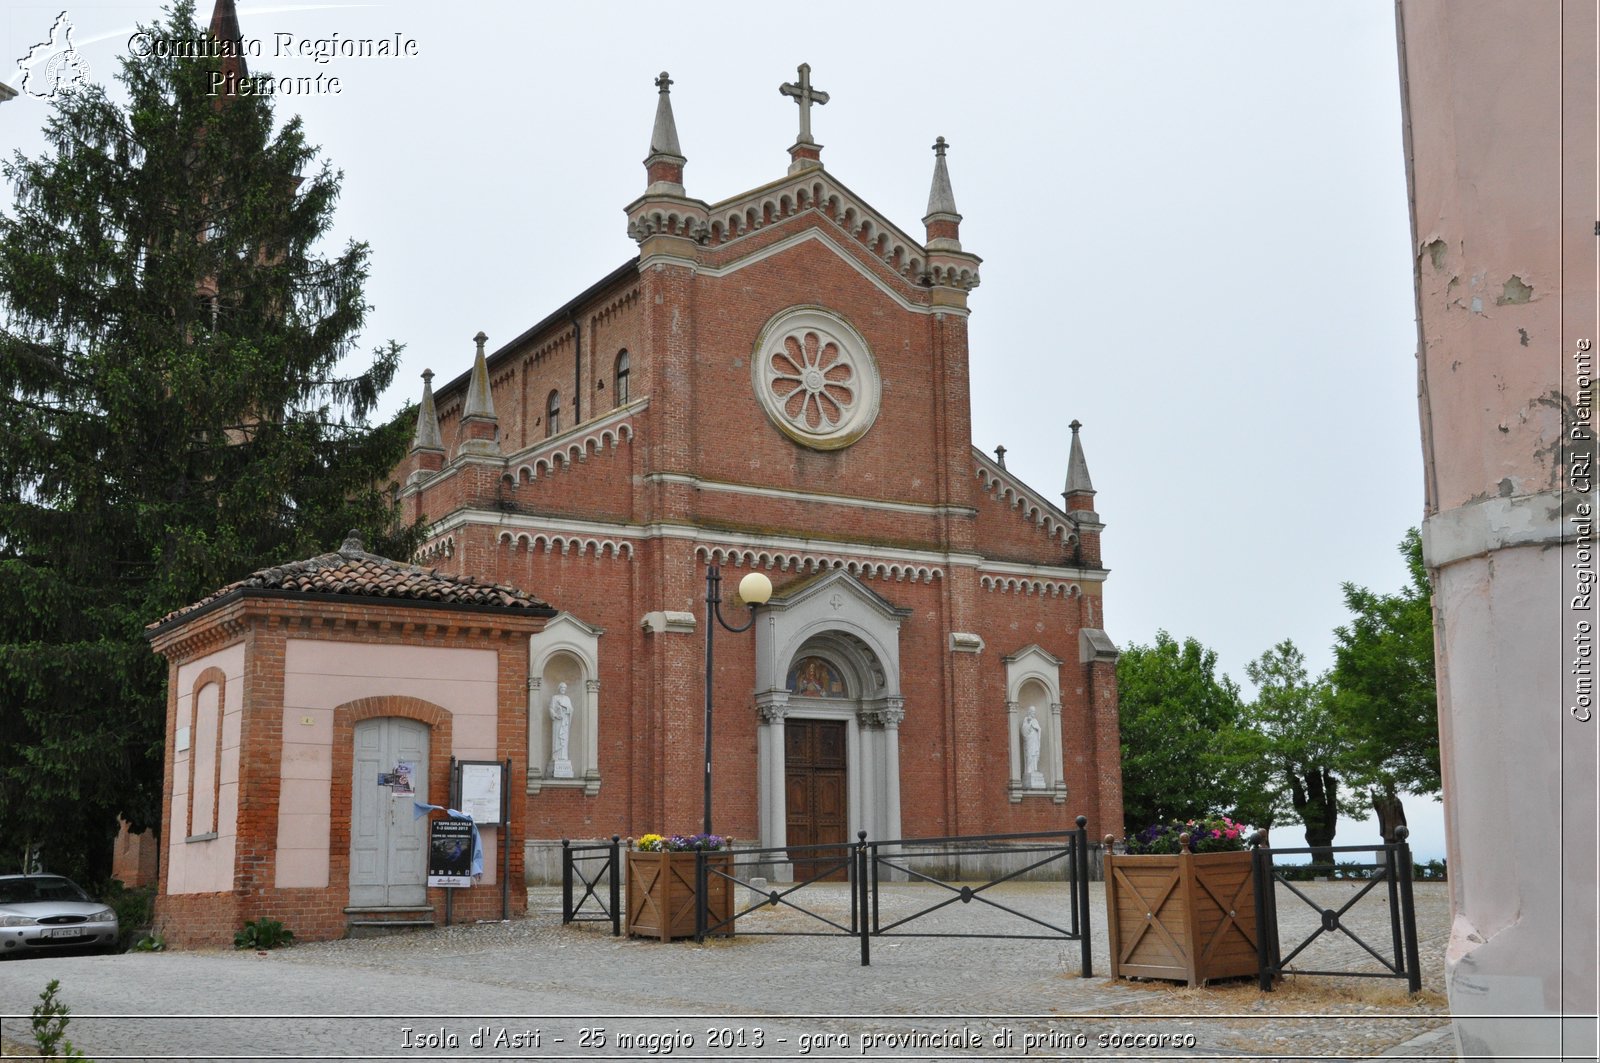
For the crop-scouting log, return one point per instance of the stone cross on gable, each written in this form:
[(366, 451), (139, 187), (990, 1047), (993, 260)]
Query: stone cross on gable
[(804, 95)]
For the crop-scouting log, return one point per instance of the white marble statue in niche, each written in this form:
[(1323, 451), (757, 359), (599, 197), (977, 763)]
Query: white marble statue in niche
[(560, 733), (1032, 777)]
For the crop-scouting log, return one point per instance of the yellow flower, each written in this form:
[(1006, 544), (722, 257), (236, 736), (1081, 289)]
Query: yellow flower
[(650, 843)]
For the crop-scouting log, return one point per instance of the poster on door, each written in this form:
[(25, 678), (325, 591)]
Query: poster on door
[(450, 853)]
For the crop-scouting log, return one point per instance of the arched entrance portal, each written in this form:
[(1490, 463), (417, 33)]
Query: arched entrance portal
[(828, 693)]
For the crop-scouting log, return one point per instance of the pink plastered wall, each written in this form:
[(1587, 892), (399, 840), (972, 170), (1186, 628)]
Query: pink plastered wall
[(319, 676)]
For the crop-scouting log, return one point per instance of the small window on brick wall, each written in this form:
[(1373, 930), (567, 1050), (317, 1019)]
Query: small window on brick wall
[(620, 394), (552, 414)]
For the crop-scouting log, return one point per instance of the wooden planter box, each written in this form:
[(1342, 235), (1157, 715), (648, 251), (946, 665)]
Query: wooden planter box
[(661, 898), (1189, 917)]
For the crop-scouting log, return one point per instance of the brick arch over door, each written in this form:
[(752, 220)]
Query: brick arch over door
[(440, 725)]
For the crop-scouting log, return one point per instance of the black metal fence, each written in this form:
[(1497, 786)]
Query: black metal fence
[(1390, 866), (590, 864), (950, 869)]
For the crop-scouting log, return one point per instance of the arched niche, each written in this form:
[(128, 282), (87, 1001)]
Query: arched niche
[(566, 651), (1033, 681)]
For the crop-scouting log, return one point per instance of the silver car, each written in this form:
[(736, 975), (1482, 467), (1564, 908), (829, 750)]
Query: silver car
[(42, 913)]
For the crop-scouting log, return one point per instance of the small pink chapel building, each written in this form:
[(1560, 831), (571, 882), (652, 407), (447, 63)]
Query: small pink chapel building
[(296, 696)]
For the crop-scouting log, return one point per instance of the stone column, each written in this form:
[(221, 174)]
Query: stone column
[(591, 737), (1057, 754), (538, 748), (892, 716), (771, 794), (1014, 739)]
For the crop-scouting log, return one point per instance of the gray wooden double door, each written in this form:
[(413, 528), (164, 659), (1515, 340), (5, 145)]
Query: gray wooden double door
[(388, 843)]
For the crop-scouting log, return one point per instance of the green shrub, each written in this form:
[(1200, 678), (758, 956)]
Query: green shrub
[(135, 910), (263, 934), (50, 1018), (151, 942)]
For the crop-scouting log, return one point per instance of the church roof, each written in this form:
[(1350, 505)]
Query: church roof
[(351, 571)]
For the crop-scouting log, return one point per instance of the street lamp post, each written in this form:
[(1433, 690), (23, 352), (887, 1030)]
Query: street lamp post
[(755, 589)]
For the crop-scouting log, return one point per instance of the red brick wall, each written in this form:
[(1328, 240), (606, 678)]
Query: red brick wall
[(691, 336)]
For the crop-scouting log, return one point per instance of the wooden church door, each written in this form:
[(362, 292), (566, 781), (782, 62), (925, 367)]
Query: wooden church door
[(388, 844), (817, 803)]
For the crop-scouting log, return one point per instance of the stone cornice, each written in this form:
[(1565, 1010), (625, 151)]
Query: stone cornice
[(724, 487), (1035, 508), (736, 547)]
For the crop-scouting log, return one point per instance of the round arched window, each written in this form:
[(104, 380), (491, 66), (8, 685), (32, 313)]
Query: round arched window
[(815, 378)]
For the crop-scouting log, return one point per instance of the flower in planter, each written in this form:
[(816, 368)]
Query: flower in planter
[(1207, 834), (680, 843)]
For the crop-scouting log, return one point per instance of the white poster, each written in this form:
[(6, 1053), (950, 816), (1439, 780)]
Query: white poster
[(480, 792)]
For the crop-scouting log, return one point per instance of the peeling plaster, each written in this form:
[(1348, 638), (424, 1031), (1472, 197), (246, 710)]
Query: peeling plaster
[(1550, 455), (1436, 251), (1522, 335), (1514, 292)]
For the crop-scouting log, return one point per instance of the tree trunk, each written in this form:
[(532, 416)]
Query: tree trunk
[(1316, 802), (1391, 813)]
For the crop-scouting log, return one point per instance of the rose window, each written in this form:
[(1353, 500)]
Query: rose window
[(816, 379)]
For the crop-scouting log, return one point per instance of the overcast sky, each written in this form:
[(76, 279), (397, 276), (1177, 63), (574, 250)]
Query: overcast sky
[(1192, 218)]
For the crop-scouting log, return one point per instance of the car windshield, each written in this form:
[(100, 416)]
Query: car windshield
[(35, 888)]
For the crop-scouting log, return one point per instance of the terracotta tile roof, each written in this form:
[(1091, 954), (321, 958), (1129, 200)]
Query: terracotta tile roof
[(351, 570)]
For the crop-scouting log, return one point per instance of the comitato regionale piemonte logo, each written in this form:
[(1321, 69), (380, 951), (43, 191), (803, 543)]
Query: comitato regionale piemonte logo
[(53, 65)]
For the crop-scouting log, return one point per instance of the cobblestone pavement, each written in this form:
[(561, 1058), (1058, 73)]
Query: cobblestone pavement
[(533, 989)]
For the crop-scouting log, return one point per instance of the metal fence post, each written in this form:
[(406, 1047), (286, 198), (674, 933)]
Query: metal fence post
[(616, 886), (1081, 892), (860, 889), (1261, 870), (872, 871), (702, 914), (1408, 911), (1391, 866), (566, 881)]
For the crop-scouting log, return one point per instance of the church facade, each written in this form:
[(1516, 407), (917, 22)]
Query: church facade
[(778, 381)]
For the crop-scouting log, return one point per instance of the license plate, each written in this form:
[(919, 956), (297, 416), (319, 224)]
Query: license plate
[(63, 932)]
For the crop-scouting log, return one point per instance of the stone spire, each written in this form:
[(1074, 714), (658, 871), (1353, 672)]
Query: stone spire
[(1079, 494), (427, 444), (479, 426), (427, 435), (225, 28), (805, 153), (664, 165), (943, 220), (479, 402)]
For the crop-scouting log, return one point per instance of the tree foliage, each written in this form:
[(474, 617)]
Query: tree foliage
[(1292, 717), (176, 414), (1183, 751), (1385, 700)]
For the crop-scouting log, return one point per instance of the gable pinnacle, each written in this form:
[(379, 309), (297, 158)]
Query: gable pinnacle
[(664, 135), (1078, 482), (427, 436), (663, 167), (480, 403), (941, 199)]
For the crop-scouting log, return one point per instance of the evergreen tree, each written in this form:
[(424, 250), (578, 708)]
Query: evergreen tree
[(1385, 697), (175, 415)]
